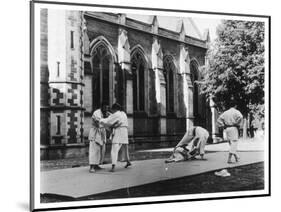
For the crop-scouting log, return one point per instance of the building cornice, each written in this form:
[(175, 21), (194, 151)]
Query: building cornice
[(66, 82), (147, 28), (61, 107)]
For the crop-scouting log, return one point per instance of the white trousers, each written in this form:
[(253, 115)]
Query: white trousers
[(96, 153), (115, 150), (103, 149), (233, 147), (232, 135), (200, 145)]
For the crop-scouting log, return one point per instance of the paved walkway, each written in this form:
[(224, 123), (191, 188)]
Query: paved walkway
[(78, 182), (248, 145)]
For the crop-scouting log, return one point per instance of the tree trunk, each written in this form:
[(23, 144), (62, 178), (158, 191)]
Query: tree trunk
[(251, 128), (245, 129)]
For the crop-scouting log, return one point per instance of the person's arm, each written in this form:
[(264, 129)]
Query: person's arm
[(185, 140), (196, 136), (239, 119), (109, 121), (220, 121)]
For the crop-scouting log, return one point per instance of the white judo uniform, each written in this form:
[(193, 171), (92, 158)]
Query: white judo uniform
[(192, 144), (231, 120), (196, 138), (200, 139), (118, 121), (97, 138)]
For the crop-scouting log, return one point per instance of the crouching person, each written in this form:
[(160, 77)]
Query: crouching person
[(192, 144), (199, 141)]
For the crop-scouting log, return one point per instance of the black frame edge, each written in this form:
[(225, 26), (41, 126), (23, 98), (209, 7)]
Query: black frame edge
[(151, 8), (31, 112), (150, 203), (269, 105)]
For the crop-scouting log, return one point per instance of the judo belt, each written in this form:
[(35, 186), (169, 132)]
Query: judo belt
[(185, 152), (194, 152), (228, 126), (113, 132)]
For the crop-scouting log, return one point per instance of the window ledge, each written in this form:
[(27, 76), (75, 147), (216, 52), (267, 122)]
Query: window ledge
[(140, 114), (171, 115)]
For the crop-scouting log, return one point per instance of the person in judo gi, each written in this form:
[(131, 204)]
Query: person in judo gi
[(97, 139), (192, 144), (231, 120), (118, 122)]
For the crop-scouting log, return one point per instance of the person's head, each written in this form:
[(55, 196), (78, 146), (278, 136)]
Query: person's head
[(104, 107), (116, 107), (232, 103)]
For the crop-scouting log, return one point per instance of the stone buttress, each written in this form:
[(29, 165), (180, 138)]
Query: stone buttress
[(66, 87)]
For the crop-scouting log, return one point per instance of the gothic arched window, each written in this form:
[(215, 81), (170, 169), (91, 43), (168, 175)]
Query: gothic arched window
[(138, 66), (169, 69), (101, 64)]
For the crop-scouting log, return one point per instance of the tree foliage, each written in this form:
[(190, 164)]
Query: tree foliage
[(236, 65)]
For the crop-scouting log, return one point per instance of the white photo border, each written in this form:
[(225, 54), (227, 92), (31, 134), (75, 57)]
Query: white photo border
[(35, 7)]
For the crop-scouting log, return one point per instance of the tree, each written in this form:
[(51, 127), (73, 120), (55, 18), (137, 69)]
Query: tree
[(236, 66)]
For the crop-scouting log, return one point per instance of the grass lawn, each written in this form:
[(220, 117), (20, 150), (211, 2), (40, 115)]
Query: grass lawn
[(243, 178)]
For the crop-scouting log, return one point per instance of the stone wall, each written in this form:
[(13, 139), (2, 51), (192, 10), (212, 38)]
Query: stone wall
[(145, 124), (66, 81), (67, 86)]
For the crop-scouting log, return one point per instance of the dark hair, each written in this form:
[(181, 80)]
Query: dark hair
[(116, 106), (103, 104), (232, 103)]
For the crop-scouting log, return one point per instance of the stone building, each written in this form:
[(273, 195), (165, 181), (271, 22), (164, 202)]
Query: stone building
[(149, 68)]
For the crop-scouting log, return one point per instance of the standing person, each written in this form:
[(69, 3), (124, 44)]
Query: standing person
[(231, 121), (97, 138), (118, 121)]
